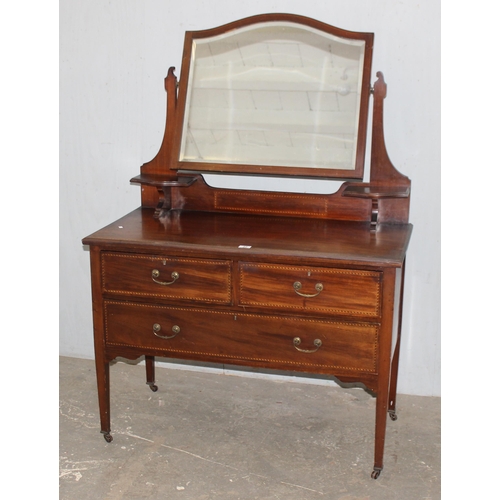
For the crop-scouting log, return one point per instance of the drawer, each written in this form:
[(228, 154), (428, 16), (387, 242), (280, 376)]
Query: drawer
[(166, 277), (329, 290), (288, 343)]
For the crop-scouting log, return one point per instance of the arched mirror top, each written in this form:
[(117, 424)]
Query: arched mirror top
[(274, 94)]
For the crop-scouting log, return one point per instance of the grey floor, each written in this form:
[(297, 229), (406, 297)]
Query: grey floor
[(211, 436)]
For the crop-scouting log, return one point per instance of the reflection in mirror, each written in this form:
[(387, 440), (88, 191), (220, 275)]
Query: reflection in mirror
[(274, 94)]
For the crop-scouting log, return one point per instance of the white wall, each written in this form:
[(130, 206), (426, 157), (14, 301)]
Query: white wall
[(114, 56)]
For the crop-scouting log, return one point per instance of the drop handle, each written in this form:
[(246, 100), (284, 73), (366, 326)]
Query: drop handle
[(297, 341), (298, 285), (156, 274), (157, 329)]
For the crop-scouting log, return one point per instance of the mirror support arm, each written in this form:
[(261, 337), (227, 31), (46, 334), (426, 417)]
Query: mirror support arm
[(382, 170), (160, 165)]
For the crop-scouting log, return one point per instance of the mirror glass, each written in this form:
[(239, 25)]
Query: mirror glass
[(274, 93)]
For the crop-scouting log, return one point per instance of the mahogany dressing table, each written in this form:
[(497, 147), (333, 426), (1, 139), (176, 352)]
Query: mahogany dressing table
[(282, 280)]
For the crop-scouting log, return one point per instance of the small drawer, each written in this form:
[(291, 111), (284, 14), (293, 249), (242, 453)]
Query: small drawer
[(280, 342), (327, 290), (166, 277)]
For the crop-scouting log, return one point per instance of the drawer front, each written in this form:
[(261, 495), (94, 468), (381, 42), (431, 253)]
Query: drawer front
[(167, 277), (277, 342), (337, 291)]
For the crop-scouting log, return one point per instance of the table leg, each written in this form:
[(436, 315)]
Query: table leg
[(395, 358), (394, 383), (102, 374), (150, 373), (387, 368), (380, 428)]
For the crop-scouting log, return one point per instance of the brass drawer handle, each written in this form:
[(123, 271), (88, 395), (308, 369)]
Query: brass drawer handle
[(298, 285), (157, 328), (297, 341), (155, 274)]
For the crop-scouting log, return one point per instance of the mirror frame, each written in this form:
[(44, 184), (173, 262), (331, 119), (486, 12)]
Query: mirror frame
[(280, 170)]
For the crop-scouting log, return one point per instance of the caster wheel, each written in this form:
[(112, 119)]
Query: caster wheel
[(393, 416), (153, 387), (376, 472), (108, 438)]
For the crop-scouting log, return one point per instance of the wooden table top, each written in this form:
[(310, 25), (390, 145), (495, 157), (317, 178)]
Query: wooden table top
[(236, 235)]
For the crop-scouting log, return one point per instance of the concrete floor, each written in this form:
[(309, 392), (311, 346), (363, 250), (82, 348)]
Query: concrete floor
[(205, 436)]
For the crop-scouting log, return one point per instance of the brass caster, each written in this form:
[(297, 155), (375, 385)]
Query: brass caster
[(392, 415), (107, 437), (376, 472), (153, 387)]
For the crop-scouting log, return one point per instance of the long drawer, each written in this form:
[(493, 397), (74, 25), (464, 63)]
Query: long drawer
[(330, 290), (274, 341), (166, 277)]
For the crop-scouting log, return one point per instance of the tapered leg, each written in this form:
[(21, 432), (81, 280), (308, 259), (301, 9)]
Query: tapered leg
[(150, 373), (101, 360), (394, 382), (102, 373), (385, 366), (380, 427), (395, 358)]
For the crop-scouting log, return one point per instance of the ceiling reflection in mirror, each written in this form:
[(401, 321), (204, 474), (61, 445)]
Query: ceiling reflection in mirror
[(274, 94)]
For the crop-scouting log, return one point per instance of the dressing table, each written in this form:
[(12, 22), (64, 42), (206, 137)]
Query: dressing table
[(291, 281)]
